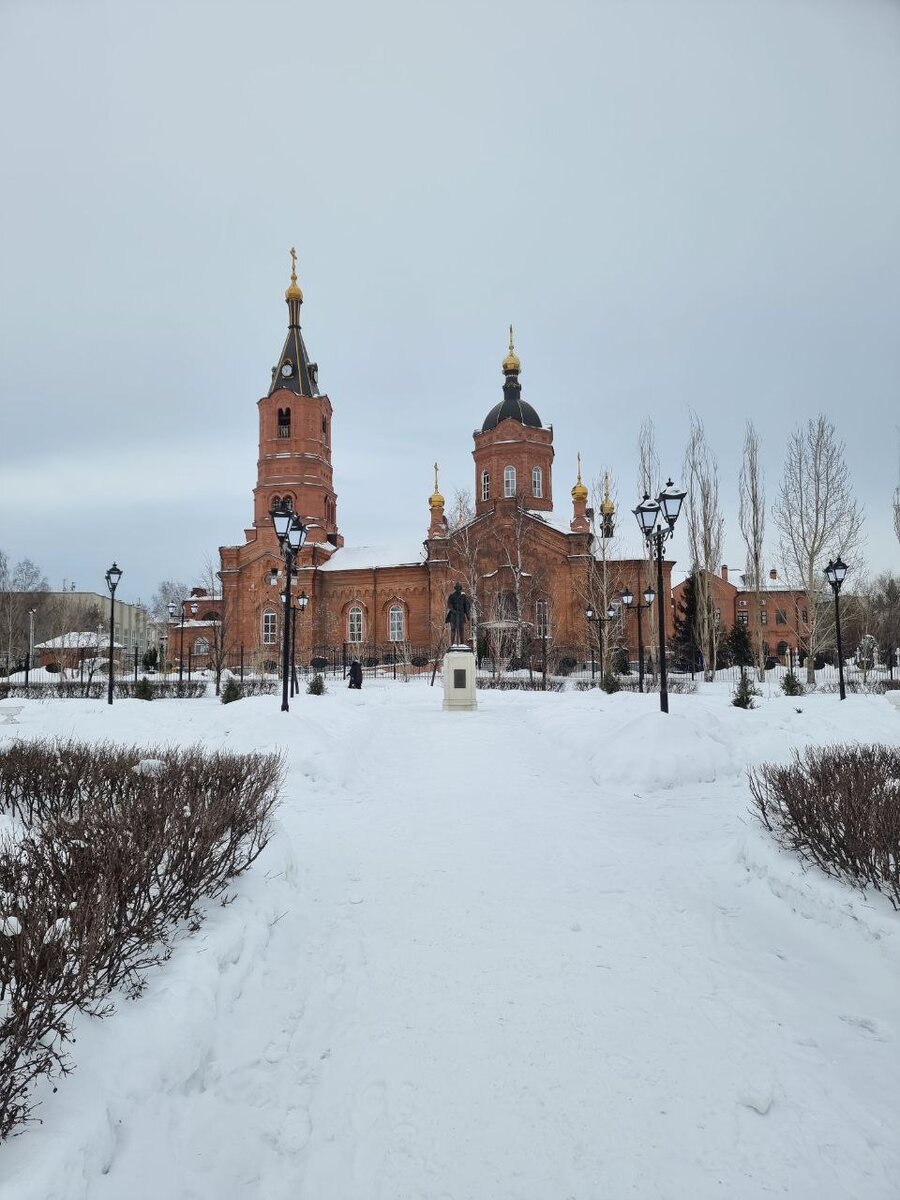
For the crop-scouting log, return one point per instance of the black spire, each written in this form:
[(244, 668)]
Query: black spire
[(293, 371)]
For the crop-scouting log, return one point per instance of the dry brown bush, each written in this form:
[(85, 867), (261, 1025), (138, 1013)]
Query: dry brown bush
[(839, 807), (114, 861)]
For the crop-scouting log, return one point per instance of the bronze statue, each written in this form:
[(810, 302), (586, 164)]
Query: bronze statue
[(458, 608)]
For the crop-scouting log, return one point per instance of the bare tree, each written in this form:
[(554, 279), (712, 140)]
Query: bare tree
[(752, 520), (217, 629), (602, 585), (21, 587), (817, 517), (705, 526), (897, 511), (169, 590)]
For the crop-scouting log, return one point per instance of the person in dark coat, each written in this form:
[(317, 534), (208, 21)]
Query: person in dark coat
[(356, 674)]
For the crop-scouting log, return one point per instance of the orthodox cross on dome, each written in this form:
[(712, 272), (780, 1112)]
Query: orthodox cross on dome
[(294, 372), (579, 491), (511, 364), (293, 292), (437, 500)]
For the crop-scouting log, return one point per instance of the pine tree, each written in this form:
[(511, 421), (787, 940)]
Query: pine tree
[(738, 647)]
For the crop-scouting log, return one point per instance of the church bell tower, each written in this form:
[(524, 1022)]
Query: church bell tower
[(294, 465)]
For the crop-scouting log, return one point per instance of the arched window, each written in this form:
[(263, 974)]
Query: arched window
[(542, 618), (509, 481), (537, 482), (269, 628), (201, 648), (284, 422), (276, 503), (396, 623), (355, 624), (485, 485), (288, 503)]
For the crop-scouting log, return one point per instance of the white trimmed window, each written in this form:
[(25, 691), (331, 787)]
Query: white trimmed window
[(201, 648), (537, 482), (270, 628), (509, 481), (542, 618), (395, 623), (354, 624), (485, 485)]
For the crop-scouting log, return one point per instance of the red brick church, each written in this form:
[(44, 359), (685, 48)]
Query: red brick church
[(529, 573)]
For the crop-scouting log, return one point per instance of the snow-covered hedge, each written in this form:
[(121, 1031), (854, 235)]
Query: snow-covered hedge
[(119, 848), (838, 806), (96, 689)]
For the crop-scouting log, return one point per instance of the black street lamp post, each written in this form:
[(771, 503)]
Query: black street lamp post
[(628, 601), (600, 622), (295, 612), (657, 521), (113, 575), (291, 534), (836, 573)]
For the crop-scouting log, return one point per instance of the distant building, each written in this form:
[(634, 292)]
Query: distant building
[(782, 614)]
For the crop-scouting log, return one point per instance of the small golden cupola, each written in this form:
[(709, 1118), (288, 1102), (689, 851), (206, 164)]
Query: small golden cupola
[(436, 500), (607, 509), (579, 491), (511, 364), (438, 526), (580, 521), (294, 291)]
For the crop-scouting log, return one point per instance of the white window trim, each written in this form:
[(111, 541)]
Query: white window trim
[(267, 639), (485, 485), (509, 477), (537, 483), (353, 610), (392, 612)]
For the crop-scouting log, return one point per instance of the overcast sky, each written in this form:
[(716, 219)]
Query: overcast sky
[(677, 204)]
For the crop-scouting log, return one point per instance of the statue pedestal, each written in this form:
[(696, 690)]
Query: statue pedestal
[(459, 680)]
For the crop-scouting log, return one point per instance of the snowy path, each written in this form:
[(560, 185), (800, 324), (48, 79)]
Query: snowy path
[(495, 966)]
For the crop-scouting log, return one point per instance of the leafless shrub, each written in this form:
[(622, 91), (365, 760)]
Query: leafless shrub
[(123, 689), (122, 848), (839, 807)]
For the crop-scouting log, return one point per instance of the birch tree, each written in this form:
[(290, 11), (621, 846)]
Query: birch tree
[(817, 518), (752, 520), (705, 527)]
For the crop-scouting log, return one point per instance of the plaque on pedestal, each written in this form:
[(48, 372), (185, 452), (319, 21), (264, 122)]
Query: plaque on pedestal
[(459, 679)]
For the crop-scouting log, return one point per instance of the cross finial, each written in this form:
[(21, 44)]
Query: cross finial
[(293, 265), (579, 466), (510, 339), (435, 477)]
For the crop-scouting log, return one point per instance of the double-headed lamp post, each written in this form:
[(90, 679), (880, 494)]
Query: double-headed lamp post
[(291, 534), (628, 601), (657, 521), (600, 622), (299, 608), (836, 573), (113, 575), (173, 609)]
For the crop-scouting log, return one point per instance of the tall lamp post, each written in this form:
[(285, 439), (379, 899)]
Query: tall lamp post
[(30, 658), (173, 608), (294, 612), (656, 519), (113, 575), (600, 622), (628, 601), (291, 534), (836, 573)]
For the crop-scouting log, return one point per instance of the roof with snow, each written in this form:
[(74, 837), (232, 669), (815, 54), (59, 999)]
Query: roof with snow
[(78, 641), (355, 558)]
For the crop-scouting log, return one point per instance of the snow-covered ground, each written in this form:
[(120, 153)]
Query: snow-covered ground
[(538, 952)]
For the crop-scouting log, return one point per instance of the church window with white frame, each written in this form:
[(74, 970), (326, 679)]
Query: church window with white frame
[(269, 628), (355, 624), (537, 482), (396, 623), (509, 481), (201, 648), (485, 485), (542, 618)]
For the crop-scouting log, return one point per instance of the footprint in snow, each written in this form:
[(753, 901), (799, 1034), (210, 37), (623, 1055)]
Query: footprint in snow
[(868, 1025)]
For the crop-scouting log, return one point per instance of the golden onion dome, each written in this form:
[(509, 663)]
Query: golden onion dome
[(607, 507), (293, 292), (511, 364), (436, 500), (579, 491)]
